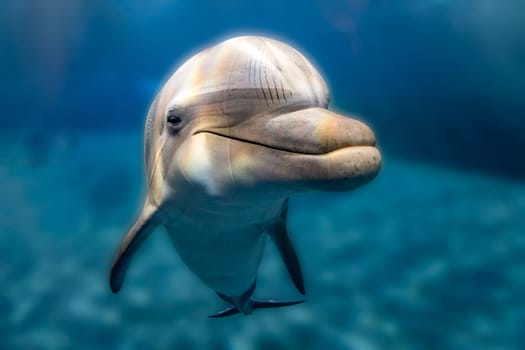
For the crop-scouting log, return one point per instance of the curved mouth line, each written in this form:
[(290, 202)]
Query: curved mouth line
[(255, 143)]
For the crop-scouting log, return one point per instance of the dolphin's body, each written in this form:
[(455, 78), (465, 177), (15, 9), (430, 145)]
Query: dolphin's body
[(234, 132)]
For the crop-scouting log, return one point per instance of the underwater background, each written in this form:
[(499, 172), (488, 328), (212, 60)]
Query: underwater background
[(430, 255)]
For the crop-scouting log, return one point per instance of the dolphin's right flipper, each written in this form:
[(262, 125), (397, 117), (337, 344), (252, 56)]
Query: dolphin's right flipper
[(146, 223), (279, 234)]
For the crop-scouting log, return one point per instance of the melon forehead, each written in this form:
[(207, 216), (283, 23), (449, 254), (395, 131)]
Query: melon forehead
[(252, 69)]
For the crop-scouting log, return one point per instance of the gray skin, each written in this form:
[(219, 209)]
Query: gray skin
[(234, 132)]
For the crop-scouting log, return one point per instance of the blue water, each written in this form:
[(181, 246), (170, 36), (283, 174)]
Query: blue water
[(427, 256)]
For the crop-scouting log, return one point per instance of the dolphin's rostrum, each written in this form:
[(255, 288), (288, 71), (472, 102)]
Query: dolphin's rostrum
[(234, 132)]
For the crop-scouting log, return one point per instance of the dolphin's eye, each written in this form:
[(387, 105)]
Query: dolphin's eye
[(174, 120)]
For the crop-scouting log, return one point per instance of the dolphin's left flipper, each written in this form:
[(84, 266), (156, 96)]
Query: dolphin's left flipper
[(279, 234)]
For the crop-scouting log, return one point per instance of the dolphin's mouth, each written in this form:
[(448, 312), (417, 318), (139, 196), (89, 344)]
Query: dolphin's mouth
[(259, 144), (340, 169), (310, 131)]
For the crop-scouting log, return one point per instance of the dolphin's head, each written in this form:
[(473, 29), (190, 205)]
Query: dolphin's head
[(249, 116)]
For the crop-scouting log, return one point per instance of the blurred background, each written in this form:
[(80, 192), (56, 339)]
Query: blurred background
[(429, 255)]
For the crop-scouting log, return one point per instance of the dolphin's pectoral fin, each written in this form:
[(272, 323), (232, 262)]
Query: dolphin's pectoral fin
[(285, 246), (279, 234), (256, 304), (144, 226)]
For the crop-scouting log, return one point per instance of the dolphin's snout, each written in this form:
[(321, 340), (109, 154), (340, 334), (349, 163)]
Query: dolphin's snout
[(307, 149), (312, 131), (335, 131)]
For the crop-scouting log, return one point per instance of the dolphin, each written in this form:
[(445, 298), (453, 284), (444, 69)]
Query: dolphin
[(234, 132)]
